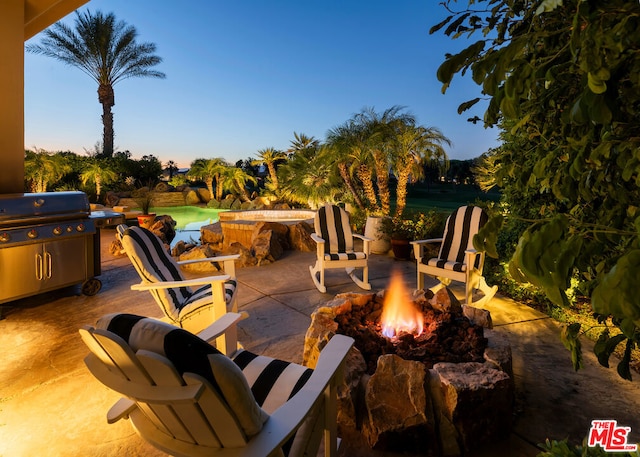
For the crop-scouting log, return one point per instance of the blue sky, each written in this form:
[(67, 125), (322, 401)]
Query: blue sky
[(245, 75)]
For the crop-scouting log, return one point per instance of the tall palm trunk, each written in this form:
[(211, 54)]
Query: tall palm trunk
[(344, 174), (273, 175), (219, 189), (106, 97), (364, 173), (401, 190), (382, 175), (209, 182), (98, 187)]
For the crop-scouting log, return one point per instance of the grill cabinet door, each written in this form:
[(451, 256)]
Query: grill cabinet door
[(31, 269)]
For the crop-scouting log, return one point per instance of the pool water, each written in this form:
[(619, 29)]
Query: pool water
[(188, 219)]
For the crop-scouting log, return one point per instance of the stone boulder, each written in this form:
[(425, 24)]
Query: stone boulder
[(477, 399), (203, 194), (199, 252), (281, 231), (478, 316), (213, 203), (227, 202), (446, 302), (211, 234), (190, 197), (178, 249), (300, 237), (165, 228), (162, 187), (266, 247), (246, 257), (396, 405)]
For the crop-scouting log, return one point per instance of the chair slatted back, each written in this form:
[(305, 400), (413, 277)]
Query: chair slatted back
[(200, 417), (332, 224), (459, 230), (154, 264)]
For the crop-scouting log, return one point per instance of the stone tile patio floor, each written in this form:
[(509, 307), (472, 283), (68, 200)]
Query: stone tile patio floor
[(51, 406)]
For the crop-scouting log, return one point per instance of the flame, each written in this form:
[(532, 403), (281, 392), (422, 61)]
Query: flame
[(399, 313)]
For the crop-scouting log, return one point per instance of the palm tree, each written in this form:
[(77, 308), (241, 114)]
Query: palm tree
[(344, 152), (379, 131), (412, 146), (209, 170), (171, 168), (269, 157), (235, 180), (303, 144), (106, 50), (41, 167), (99, 173), (310, 180)]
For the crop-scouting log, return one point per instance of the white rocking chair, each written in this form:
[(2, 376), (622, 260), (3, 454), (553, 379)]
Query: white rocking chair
[(334, 247), (457, 260)]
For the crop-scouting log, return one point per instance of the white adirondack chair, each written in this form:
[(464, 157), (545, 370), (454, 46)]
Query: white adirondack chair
[(192, 304), (187, 399)]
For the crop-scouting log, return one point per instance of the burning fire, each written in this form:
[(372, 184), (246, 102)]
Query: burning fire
[(399, 313)]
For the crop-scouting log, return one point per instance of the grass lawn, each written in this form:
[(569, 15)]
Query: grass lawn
[(445, 196)]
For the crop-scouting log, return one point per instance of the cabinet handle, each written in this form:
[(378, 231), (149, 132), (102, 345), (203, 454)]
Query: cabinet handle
[(39, 267), (47, 256)]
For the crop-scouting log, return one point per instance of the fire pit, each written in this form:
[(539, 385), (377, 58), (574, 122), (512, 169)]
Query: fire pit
[(426, 374)]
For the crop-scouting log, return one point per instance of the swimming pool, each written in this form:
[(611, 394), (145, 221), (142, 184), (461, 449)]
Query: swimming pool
[(189, 218)]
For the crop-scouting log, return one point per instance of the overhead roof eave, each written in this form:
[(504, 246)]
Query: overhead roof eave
[(40, 14)]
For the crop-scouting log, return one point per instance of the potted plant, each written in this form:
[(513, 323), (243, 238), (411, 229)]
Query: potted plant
[(400, 232), (144, 199), (416, 226)]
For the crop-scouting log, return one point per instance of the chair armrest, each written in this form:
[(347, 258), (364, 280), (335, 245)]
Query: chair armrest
[(365, 242), (120, 410), (315, 237), (185, 283), (220, 326), (430, 240), (418, 245)]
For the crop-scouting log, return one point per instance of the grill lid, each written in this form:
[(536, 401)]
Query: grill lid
[(38, 207)]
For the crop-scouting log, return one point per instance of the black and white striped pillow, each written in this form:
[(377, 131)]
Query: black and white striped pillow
[(459, 230), (332, 224)]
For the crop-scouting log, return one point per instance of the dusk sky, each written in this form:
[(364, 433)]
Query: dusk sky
[(245, 75)]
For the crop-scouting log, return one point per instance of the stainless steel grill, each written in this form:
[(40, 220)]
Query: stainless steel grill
[(49, 241)]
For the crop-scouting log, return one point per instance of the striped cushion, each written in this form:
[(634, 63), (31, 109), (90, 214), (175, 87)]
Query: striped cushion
[(332, 224), (154, 264), (190, 354), (346, 256), (272, 381), (459, 230)]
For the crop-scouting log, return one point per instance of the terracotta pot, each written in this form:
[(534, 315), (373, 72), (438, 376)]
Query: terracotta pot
[(401, 249), (146, 220)]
